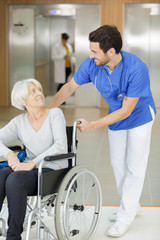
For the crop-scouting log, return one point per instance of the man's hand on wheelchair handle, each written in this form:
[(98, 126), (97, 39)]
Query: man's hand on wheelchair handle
[(84, 125)]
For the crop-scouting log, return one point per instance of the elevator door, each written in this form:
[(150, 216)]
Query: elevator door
[(87, 20), (22, 46), (142, 37), (34, 30)]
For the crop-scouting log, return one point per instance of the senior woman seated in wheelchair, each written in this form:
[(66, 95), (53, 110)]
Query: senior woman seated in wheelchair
[(43, 132)]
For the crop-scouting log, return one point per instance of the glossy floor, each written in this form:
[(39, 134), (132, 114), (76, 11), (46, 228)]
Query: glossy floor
[(93, 152), (145, 226)]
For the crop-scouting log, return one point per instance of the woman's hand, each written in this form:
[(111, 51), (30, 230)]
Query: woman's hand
[(24, 166), (12, 159)]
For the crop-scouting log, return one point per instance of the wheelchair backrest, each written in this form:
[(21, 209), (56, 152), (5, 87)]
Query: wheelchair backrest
[(69, 131), (72, 137), (72, 142)]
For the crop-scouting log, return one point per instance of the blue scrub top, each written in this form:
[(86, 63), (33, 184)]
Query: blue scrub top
[(130, 77)]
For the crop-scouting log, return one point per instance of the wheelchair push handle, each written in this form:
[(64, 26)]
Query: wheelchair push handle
[(77, 122)]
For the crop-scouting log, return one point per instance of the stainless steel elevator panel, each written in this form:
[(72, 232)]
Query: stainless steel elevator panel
[(42, 38), (155, 57), (142, 37), (87, 20), (22, 52), (78, 26), (42, 53), (34, 29)]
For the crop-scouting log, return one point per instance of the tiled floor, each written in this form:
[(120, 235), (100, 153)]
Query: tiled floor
[(93, 152), (145, 225), (148, 221)]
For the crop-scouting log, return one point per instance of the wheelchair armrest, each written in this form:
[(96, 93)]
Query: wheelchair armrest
[(59, 157), (16, 148)]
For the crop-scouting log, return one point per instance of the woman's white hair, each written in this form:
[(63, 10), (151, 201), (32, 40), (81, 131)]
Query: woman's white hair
[(19, 92)]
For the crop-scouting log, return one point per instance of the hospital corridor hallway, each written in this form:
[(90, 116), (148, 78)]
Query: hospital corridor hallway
[(56, 42), (93, 152)]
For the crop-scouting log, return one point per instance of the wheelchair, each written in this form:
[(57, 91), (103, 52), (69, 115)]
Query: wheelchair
[(74, 193)]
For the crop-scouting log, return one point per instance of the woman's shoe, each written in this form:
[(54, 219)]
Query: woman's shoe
[(118, 229)]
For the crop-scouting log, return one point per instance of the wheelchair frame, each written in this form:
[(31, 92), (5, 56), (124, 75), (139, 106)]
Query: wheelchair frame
[(79, 194)]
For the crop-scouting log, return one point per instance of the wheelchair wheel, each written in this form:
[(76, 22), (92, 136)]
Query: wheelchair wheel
[(78, 205)]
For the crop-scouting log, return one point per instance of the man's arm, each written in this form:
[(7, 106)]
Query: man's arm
[(120, 114), (64, 93)]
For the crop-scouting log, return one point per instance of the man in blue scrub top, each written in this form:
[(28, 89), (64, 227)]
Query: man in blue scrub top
[(123, 81)]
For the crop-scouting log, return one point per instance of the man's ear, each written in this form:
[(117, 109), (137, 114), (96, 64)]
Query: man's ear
[(111, 52)]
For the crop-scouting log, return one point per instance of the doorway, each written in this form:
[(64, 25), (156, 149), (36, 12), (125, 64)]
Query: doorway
[(33, 31)]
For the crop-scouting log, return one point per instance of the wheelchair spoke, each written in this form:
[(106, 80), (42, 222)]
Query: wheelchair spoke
[(78, 216)]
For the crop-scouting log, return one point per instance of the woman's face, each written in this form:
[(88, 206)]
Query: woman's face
[(35, 96)]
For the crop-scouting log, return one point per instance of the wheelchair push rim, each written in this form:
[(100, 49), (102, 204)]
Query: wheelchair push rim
[(78, 205)]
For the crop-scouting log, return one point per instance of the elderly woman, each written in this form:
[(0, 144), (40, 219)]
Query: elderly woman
[(43, 132)]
